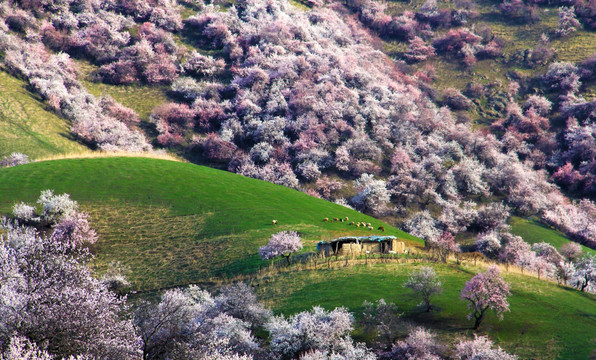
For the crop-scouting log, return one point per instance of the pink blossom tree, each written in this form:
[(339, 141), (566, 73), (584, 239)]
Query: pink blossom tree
[(443, 245), (418, 50), (486, 291), (571, 251), (74, 230), (283, 243), (585, 273)]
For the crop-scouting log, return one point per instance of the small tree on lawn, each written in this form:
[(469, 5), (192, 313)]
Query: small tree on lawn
[(425, 283), (443, 245), (283, 243), (486, 291)]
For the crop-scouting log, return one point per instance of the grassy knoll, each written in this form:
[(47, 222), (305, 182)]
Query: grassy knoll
[(26, 126), (176, 223), (533, 231), (546, 321)]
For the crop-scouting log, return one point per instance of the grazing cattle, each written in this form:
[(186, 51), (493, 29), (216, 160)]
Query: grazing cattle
[(274, 222), (326, 219), (381, 228), (351, 223)]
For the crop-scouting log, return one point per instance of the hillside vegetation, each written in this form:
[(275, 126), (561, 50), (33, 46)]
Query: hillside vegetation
[(547, 321), (26, 125), (175, 223), (533, 232)]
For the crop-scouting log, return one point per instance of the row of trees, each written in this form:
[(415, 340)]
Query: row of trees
[(484, 291)]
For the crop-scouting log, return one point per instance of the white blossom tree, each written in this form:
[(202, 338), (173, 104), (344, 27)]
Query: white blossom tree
[(480, 348), (314, 330), (425, 283), (283, 243)]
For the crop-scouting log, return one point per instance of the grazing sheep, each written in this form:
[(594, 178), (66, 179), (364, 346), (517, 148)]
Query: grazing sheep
[(358, 225), (341, 220), (274, 222), (368, 224), (326, 219), (351, 223), (382, 228), (347, 219), (370, 228), (335, 219)]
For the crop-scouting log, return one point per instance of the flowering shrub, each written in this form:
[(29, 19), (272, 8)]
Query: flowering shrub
[(14, 159)]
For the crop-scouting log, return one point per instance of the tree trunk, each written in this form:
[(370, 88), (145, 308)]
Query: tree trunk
[(477, 323)]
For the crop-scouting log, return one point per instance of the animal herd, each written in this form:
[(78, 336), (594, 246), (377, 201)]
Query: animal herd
[(357, 224), (346, 219)]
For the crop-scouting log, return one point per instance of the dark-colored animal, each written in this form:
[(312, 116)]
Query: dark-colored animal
[(381, 228)]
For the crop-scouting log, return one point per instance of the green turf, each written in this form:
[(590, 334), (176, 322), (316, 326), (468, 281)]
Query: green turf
[(176, 223), (546, 321), (26, 125), (533, 231)]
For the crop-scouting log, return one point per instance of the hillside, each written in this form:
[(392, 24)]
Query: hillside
[(547, 321), (176, 223), (27, 126), (468, 125), (533, 232)]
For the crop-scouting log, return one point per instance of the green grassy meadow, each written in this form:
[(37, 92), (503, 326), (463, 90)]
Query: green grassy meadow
[(547, 321), (533, 231), (174, 223), (27, 126)]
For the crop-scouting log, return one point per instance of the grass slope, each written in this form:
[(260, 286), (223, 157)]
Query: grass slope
[(546, 321), (533, 231), (176, 223), (26, 126), (141, 98)]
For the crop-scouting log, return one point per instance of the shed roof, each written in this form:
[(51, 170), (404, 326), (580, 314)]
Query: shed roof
[(358, 239)]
